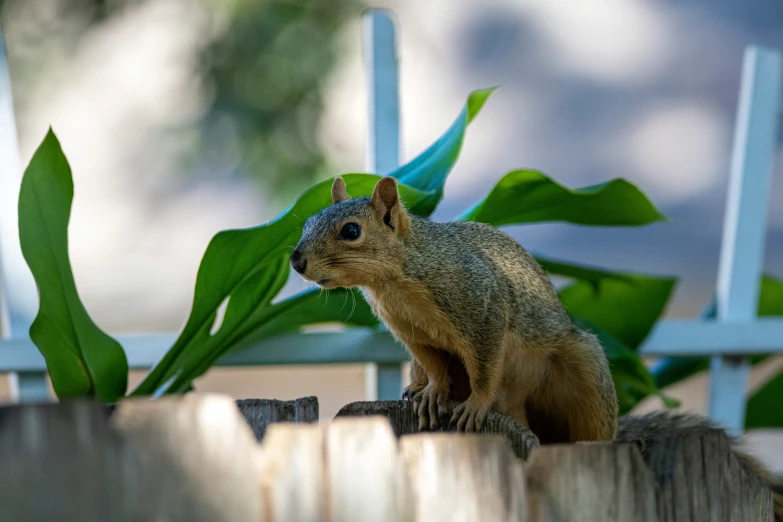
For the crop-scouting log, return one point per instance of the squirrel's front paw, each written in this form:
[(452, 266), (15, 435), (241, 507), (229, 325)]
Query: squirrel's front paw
[(412, 390), (430, 403), (470, 415)]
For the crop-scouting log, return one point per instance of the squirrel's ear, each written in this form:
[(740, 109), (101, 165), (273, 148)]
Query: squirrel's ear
[(386, 201), (384, 195), (339, 192)]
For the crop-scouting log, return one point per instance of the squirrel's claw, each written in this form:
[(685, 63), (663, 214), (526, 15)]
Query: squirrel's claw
[(411, 391), (430, 404), (469, 416)]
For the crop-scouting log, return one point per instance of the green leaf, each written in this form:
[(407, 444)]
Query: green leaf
[(82, 360), (770, 296), (313, 307), (239, 265), (627, 306), (591, 275), (632, 380), (529, 196), (670, 370), (429, 170), (248, 267), (763, 408), (601, 295)]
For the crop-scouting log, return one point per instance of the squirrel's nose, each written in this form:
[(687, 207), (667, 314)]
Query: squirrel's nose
[(298, 262)]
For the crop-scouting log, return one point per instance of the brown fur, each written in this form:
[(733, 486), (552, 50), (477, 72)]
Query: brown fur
[(481, 319), (638, 428)]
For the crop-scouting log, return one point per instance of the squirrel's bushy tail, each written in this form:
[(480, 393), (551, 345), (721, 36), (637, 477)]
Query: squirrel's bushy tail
[(632, 428), (769, 479)]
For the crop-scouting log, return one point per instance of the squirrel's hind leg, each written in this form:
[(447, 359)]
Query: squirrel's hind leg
[(484, 365), (577, 402), (430, 402), (418, 381)]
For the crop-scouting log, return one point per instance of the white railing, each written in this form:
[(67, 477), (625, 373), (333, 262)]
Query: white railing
[(729, 339)]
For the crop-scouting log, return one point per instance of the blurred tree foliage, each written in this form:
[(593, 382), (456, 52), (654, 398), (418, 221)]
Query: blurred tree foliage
[(265, 71)]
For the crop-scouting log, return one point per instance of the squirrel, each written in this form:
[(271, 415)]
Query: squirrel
[(483, 324), (481, 319)]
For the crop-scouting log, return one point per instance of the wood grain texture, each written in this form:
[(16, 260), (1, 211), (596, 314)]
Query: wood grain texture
[(590, 482), (188, 458), (260, 413), (404, 421), (195, 458), (198, 452), (366, 473), (64, 462), (700, 479), (292, 474), (464, 478)]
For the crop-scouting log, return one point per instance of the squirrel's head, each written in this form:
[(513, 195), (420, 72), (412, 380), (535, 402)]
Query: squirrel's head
[(355, 241)]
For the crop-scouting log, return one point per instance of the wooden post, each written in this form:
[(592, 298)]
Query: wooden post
[(590, 482), (291, 474), (744, 229), (196, 454), (404, 422), (260, 413), (462, 478), (194, 458), (364, 460), (699, 478), (186, 458)]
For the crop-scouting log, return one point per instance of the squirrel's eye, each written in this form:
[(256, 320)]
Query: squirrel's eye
[(350, 231)]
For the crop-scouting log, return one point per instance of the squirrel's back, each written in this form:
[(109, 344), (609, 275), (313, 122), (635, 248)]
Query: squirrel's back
[(474, 266)]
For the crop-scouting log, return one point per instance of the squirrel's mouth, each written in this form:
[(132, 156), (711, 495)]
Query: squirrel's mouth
[(322, 282)]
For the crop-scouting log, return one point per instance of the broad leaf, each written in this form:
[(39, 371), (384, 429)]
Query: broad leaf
[(529, 196), (670, 370), (591, 275), (312, 307), (596, 287), (306, 308), (428, 171), (764, 407), (770, 296), (604, 295), (235, 257), (82, 360), (248, 267), (627, 307), (632, 380)]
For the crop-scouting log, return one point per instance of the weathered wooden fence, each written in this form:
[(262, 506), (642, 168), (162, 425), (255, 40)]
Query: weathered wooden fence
[(194, 458)]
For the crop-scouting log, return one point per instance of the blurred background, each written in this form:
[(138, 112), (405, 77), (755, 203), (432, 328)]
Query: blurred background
[(181, 118)]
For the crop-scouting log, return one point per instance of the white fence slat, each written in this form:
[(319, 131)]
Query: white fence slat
[(700, 338), (383, 144), (744, 229), (382, 71), (357, 345), (28, 386)]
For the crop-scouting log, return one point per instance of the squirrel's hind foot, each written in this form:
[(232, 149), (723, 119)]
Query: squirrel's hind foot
[(431, 404)]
